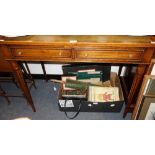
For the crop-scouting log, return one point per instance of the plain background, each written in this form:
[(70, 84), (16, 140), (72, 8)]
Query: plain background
[(123, 17)]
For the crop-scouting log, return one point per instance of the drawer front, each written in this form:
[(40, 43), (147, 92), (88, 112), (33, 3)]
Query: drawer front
[(129, 55), (4, 65), (42, 53)]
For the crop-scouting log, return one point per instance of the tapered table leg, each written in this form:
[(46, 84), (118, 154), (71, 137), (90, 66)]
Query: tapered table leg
[(29, 75), (134, 88), (44, 71), (19, 77)]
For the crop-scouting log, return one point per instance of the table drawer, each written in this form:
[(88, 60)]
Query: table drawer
[(4, 65), (107, 54), (42, 53)]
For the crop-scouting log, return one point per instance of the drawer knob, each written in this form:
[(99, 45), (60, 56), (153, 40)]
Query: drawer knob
[(86, 54), (19, 53), (59, 53), (130, 55)]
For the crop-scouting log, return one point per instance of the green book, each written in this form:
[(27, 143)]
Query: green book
[(86, 75), (72, 73), (74, 84)]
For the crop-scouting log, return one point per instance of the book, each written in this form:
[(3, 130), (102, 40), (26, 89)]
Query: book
[(74, 84), (92, 81), (97, 82), (73, 94), (103, 94), (87, 70), (64, 78), (88, 75)]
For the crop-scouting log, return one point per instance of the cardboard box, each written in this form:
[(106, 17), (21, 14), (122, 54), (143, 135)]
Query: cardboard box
[(72, 105)]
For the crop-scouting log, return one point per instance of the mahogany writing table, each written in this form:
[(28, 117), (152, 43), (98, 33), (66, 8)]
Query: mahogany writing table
[(122, 50)]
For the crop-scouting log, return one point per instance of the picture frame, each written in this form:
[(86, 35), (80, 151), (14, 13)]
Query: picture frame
[(150, 89), (147, 109), (145, 98)]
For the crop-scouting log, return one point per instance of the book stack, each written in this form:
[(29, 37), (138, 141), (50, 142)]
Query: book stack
[(88, 83), (90, 75), (75, 88), (74, 69), (76, 85)]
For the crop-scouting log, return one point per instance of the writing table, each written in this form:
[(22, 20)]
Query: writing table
[(121, 50)]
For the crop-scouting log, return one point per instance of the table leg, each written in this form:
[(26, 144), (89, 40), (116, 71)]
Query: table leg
[(134, 88), (29, 75), (19, 77), (44, 71)]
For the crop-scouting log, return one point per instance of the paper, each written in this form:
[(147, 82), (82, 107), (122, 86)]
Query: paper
[(69, 103)]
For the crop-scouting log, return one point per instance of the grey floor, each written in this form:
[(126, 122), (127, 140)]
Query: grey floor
[(45, 100)]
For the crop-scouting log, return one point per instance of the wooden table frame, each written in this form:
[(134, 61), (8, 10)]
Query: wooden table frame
[(90, 49)]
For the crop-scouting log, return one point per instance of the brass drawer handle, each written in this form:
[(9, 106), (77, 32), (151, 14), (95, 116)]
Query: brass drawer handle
[(60, 53), (86, 54), (130, 55), (19, 53)]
